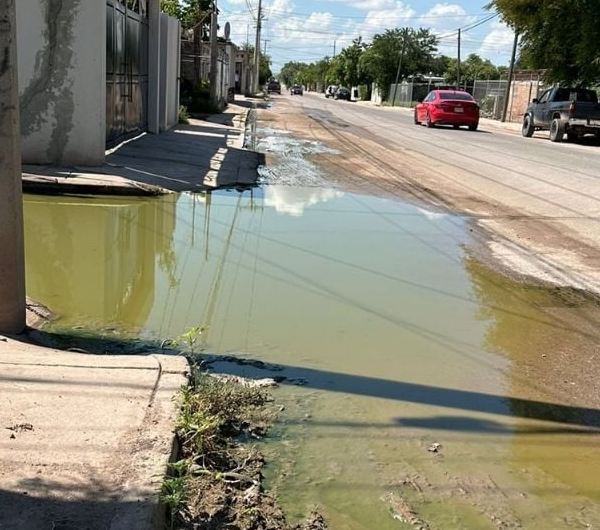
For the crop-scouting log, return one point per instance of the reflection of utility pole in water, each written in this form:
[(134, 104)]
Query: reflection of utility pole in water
[(213, 295), (207, 223), (12, 260)]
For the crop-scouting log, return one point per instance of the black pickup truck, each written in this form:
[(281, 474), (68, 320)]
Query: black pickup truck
[(274, 86), (574, 111)]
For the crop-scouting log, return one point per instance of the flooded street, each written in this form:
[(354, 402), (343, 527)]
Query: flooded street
[(422, 390)]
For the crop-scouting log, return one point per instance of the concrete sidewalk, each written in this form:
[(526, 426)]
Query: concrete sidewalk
[(84, 439), (204, 154)]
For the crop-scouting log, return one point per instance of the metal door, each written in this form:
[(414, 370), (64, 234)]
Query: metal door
[(126, 69)]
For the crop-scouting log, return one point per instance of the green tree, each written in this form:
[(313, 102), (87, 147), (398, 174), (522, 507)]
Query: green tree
[(439, 64), (412, 50), (194, 13), (347, 64), (264, 69), (172, 8), (313, 75), (562, 37), (291, 73), (474, 67)]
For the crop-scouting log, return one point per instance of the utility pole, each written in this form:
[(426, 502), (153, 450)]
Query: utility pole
[(265, 46), (12, 257), (404, 35), (257, 49), (214, 52), (334, 44), (458, 64), (511, 69)]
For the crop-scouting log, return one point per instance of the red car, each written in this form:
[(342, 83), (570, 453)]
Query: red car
[(448, 107)]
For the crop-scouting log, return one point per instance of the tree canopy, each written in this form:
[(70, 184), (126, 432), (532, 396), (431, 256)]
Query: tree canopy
[(412, 50), (562, 37), (190, 12), (473, 68)]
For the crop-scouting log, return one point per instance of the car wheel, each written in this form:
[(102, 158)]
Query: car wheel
[(527, 129), (416, 118), (557, 130), (456, 126), (428, 122), (473, 126)]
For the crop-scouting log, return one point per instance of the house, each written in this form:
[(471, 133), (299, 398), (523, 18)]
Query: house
[(93, 73), (233, 66)]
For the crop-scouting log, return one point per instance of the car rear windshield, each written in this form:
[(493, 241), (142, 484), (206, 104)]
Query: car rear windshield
[(456, 96)]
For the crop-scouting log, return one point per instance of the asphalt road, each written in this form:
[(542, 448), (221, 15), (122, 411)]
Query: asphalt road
[(538, 201)]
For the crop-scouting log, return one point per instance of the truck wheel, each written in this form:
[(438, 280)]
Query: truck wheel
[(527, 129), (557, 130)]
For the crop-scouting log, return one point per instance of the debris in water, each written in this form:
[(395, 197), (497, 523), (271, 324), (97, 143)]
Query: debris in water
[(434, 447)]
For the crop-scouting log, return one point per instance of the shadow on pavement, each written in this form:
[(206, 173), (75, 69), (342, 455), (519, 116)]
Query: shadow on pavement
[(90, 506)]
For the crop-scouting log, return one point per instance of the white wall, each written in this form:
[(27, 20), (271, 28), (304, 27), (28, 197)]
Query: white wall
[(170, 50), (62, 81)]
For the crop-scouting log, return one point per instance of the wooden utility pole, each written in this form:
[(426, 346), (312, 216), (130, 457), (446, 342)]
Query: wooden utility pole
[(511, 69), (214, 55), (256, 68), (12, 255), (458, 64)]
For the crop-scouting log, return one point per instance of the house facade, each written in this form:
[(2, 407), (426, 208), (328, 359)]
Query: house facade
[(93, 73)]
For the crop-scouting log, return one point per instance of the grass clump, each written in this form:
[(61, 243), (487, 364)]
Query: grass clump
[(217, 483)]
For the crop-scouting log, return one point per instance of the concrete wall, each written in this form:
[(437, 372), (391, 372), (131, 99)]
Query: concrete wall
[(170, 34), (62, 80)]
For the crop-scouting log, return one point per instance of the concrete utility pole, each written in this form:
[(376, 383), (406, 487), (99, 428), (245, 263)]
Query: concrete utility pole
[(404, 36), (214, 55), (12, 255), (257, 49)]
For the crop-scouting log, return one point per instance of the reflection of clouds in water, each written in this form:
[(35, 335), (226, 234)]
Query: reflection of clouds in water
[(293, 200)]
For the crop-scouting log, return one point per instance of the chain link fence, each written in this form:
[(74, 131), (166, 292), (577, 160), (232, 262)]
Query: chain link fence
[(490, 94)]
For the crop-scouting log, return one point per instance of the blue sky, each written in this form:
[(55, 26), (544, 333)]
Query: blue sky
[(308, 30)]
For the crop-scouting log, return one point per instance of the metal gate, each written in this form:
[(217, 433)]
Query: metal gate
[(126, 69)]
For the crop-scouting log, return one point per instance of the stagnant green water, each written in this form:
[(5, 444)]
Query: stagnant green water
[(392, 336)]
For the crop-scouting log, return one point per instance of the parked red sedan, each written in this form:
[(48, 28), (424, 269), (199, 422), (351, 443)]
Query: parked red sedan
[(448, 107)]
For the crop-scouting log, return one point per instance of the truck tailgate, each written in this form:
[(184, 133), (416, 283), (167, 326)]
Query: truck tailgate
[(583, 110)]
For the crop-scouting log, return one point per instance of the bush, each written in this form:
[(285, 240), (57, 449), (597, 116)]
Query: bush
[(365, 92), (184, 117), (197, 100)]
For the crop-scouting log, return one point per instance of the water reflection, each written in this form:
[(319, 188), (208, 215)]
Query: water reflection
[(551, 337), (401, 337), (287, 200), (92, 260)]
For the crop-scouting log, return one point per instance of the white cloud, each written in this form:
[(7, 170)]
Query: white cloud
[(499, 43), (294, 36)]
